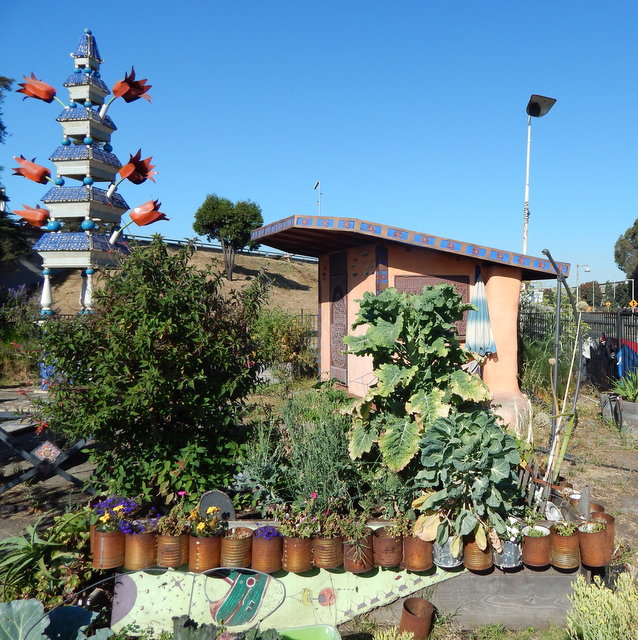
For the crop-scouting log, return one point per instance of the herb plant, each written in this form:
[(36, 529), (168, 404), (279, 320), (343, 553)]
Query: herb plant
[(627, 386)]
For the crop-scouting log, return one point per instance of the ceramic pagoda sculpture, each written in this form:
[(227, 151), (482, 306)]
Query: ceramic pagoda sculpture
[(83, 160)]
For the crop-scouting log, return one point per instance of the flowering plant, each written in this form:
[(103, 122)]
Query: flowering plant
[(144, 519), (175, 522), (208, 525), (238, 533), (329, 524), (400, 525), (108, 514), (354, 526), (297, 520), (267, 533)]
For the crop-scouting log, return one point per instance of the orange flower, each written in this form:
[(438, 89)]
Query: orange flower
[(36, 217), (29, 169), (147, 213), (131, 89), (138, 170), (34, 88)]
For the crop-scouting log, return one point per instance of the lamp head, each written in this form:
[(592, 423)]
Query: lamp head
[(538, 106)]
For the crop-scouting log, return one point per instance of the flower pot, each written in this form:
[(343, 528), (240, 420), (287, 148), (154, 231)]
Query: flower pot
[(358, 555), (596, 507), (594, 548), (610, 529), (387, 551), (328, 552), (510, 556), (416, 617), (237, 552), (204, 553), (443, 557), (184, 541), (108, 549), (536, 550), (565, 550), (169, 551), (266, 553), (140, 550), (417, 554), (474, 558), (297, 555)]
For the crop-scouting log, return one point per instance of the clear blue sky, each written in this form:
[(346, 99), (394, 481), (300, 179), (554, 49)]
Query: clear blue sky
[(409, 112)]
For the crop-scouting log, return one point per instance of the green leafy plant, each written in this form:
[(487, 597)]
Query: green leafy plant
[(627, 386), (535, 531), (565, 528), (158, 375), (417, 362), (469, 477), (207, 525), (175, 522), (297, 520), (592, 527)]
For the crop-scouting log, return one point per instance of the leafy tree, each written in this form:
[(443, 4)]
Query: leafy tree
[(157, 375), (626, 251), (231, 224), (591, 293)]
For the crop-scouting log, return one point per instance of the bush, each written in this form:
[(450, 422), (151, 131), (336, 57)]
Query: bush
[(157, 375)]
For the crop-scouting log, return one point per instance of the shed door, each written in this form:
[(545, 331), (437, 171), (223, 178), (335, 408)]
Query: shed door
[(338, 316)]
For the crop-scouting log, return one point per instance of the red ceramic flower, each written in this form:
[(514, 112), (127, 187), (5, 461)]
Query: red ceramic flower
[(34, 88), (29, 169), (131, 89), (36, 217), (147, 213), (138, 170)]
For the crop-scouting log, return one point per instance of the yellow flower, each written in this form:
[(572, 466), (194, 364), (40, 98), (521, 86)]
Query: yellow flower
[(105, 518), (212, 510), (200, 526), (118, 508)]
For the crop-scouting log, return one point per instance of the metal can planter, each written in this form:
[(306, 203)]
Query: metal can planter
[(536, 549), (297, 555), (610, 529), (387, 551), (510, 556), (237, 551), (443, 556), (596, 507), (475, 558), (417, 554), (169, 551), (594, 549), (204, 553), (140, 551), (327, 552), (565, 550), (358, 555), (267, 552), (416, 617), (108, 549)]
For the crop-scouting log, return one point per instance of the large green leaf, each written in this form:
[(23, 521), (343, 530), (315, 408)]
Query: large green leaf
[(20, 617), (428, 405), (385, 334), (399, 442), (362, 436), (392, 377), (500, 470), (469, 386)]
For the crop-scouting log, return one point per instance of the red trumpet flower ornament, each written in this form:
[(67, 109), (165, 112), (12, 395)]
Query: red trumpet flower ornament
[(34, 88), (138, 170), (29, 169), (131, 89), (147, 213), (36, 217)]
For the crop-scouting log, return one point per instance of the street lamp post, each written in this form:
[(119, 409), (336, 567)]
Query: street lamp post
[(586, 269), (537, 107), (632, 287)]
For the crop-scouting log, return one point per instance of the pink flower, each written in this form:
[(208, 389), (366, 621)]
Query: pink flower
[(182, 493), (314, 495)]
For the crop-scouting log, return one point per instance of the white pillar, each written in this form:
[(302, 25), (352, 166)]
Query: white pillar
[(88, 290), (46, 299)]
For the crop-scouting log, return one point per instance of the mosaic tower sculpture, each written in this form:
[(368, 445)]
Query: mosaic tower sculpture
[(84, 160)]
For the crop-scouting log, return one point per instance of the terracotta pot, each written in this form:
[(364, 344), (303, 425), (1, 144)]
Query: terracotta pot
[(267, 553), (594, 548), (565, 550), (443, 557), (596, 507), (536, 551), (510, 557), (204, 553), (237, 552), (169, 551), (297, 555), (140, 550), (358, 555), (416, 617), (387, 551), (184, 540), (610, 529), (417, 554), (474, 558), (328, 552), (108, 549)]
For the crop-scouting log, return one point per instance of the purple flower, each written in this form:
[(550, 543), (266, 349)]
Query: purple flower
[(267, 532)]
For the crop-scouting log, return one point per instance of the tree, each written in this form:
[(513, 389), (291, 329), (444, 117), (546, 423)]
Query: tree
[(591, 293), (231, 224), (626, 251)]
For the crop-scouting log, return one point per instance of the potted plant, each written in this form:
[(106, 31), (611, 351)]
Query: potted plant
[(236, 547), (594, 548), (627, 389), (417, 553), (140, 541), (387, 541), (204, 545), (328, 542), (172, 537), (564, 545), (469, 482), (107, 536), (536, 546), (357, 542), (267, 549), (507, 550), (297, 525)]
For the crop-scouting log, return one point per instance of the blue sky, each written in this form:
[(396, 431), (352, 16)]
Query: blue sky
[(409, 112)]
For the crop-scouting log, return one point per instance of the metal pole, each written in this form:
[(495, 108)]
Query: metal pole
[(526, 198)]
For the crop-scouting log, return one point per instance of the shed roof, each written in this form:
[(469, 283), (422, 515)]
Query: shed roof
[(317, 235)]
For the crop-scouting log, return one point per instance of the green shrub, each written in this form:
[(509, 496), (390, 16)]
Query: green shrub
[(627, 386), (158, 375)]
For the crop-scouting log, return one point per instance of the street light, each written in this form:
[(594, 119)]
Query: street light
[(537, 107), (587, 270)]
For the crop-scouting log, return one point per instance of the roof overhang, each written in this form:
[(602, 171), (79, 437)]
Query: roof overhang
[(318, 235)]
